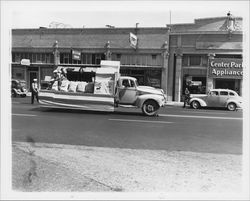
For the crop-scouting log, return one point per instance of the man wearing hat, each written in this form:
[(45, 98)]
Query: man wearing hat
[(34, 91)]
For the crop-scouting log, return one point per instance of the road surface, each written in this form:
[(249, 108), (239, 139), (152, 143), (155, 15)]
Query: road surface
[(176, 128)]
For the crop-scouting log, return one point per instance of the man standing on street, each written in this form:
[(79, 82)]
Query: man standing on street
[(187, 97), (34, 91)]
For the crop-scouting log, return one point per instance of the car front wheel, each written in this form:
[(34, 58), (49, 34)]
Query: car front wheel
[(231, 106), (150, 108), (195, 104)]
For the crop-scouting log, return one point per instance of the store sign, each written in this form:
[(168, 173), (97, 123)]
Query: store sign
[(225, 68), (25, 62), (76, 55)]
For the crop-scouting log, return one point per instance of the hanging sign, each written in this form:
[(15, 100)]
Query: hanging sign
[(76, 55), (225, 68), (25, 62)]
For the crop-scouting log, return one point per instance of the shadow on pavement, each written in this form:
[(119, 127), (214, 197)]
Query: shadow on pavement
[(75, 111)]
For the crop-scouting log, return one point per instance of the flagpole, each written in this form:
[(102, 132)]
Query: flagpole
[(170, 17)]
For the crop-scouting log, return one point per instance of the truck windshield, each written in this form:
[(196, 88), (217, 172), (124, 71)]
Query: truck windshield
[(136, 83)]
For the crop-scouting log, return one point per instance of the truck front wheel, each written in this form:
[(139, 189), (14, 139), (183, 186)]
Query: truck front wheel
[(150, 108)]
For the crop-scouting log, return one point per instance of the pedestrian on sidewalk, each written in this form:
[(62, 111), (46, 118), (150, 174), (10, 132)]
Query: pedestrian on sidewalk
[(34, 91), (187, 97)]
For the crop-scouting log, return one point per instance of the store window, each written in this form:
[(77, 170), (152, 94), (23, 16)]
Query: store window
[(87, 58), (96, 58), (204, 61), (118, 57), (144, 77), (46, 72), (18, 73), (33, 57), (154, 56), (154, 78), (141, 60), (17, 57), (65, 58), (195, 60), (185, 60), (195, 84)]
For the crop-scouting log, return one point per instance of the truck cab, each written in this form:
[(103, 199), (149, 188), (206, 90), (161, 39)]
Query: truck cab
[(149, 99)]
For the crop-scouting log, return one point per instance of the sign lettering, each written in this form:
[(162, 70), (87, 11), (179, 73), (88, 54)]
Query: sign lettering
[(225, 68), (76, 55)]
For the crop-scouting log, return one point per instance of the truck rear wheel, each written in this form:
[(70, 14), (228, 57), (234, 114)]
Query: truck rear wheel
[(150, 108)]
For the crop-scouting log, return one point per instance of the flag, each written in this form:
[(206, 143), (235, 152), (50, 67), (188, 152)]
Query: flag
[(133, 40)]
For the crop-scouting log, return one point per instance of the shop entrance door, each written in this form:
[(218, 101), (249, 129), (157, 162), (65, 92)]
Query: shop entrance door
[(225, 84)]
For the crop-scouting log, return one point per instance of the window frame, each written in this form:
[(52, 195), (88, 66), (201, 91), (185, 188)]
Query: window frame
[(221, 93)]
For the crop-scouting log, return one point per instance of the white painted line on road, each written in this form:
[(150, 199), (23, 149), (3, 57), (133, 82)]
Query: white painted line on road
[(199, 117), (141, 121), (25, 115)]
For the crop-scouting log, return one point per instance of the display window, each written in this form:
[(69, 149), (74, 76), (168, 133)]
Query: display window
[(18, 73), (195, 84), (147, 77)]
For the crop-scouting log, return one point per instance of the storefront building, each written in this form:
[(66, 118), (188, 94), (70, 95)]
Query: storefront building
[(143, 52), (205, 55), (202, 55)]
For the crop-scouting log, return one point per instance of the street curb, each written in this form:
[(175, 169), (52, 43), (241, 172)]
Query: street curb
[(172, 103)]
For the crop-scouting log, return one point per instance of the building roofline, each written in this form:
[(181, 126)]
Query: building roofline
[(204, 32), (197, 20), (213, 18), (91, 28)]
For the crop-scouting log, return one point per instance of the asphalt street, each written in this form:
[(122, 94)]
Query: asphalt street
[(175, 129)]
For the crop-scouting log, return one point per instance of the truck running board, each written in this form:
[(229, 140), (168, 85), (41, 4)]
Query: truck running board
[(127, 106)]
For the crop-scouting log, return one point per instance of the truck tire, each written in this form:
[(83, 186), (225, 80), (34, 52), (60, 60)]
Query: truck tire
[(150, 108)]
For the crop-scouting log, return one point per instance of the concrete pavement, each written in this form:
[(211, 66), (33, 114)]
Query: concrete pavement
[(56, 167)]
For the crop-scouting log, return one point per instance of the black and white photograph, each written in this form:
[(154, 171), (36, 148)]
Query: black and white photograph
[(114, 100)]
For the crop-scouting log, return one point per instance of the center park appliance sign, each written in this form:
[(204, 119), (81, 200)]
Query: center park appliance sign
[(225, 68)]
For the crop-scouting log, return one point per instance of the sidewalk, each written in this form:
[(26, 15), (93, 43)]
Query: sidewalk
[(174, 103), (55, 167)]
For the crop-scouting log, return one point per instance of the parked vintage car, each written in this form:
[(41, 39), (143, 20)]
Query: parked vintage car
[(18, 88), (224, 98)]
